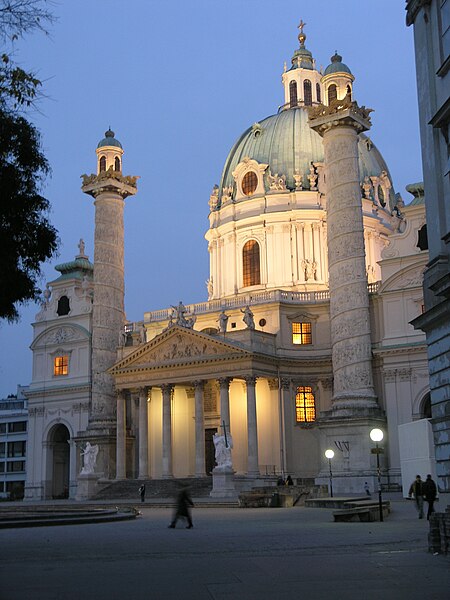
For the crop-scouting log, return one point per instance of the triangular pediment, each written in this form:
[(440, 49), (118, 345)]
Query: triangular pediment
[(178, 346)]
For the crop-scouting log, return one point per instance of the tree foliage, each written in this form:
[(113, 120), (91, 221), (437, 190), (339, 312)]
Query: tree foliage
[(27, 239)]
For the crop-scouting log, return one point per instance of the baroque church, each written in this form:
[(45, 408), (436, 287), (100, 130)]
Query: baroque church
[(303, 344)]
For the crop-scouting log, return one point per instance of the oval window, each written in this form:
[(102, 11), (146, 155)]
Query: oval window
[(249, 183)]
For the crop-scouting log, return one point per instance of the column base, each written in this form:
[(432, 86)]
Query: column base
[(223, 484)]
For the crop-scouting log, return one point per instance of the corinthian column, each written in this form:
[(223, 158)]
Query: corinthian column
[(167, 430), (143, 433), (252, 429), (339, 125), (199, 430)]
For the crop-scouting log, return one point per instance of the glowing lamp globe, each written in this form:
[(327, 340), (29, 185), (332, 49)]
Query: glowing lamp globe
[(329, 453), (376, 435)]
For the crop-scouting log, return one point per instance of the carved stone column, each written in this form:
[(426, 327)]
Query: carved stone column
[(252, 428), (121, 436), (199, 430), (224, 383), (349, 298), (287, 424), (143, 433), (167, 389)]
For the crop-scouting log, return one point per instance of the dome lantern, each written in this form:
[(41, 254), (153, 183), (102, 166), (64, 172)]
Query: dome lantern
[(109, 153), (337, 80)]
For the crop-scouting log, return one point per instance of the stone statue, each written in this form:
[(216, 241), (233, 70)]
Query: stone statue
[(81, 247), (310, 268), (180, 311), (248, 317), (312, 177), (214, 198), (89, 455), (227, 193), (276, 182), (122, 337), (223, 451), (223, 322), (142, 334), (298, 180), (46, 293)]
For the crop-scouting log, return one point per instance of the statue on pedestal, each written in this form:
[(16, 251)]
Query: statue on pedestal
[(223, 446), (89, 455)]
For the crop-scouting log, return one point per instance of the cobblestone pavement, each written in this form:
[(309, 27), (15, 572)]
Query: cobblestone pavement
[(230, 553)]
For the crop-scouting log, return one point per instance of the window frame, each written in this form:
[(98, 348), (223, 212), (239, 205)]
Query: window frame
[(251, 263), (303, 394), (63, 367), (304, 335), (307, 92), (293, 97)]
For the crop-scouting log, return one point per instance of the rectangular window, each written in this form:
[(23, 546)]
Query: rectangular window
[(17, 427), (2, 449), (2, 467), (2, 427), (301, 333), (16, 449), (305, 405), (61, 365), (16, 466)]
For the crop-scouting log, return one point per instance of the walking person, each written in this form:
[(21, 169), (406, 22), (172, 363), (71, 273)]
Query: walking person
[(183, 509), (142, 492), (430, 494), (416, 490)]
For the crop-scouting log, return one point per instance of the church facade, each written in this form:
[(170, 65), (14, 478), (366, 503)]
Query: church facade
[(303, 344)]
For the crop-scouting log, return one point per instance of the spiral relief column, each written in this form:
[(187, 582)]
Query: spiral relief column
[(349, 297), (109, 188)]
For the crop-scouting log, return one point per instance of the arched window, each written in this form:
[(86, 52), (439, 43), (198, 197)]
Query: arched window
[(307, 92), (422, 238), (117, 164), (305, 405), (249, 183), (293, 101), (349, 91), (425, 407), (63, 306), (332, 93), (318, 94), (250, 264), (102, 164)]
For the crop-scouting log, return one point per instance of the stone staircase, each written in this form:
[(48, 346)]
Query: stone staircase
[(128, 489)]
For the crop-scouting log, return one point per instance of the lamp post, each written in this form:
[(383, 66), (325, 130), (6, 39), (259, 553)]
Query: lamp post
[(376, 435), (330, 454)]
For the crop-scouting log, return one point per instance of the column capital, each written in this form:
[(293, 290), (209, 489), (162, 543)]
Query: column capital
[(167, 387), (341, 113), (285, 383), (250, 380), (224, 382), (199, 384)]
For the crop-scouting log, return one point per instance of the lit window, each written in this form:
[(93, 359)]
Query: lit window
[(307, 92), (301, 333), (249, 183), (61, 365), (305, 405), (250, 264), (102, 164), (332, 93), (293, 94), (318, 95)]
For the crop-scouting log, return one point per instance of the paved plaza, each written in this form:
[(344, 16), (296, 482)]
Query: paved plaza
[(231, 553)]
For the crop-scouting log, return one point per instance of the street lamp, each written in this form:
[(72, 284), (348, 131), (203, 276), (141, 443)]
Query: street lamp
[(330, 454), (376, 435)]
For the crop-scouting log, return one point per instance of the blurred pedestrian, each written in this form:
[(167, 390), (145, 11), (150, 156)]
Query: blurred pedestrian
[(367, 489), (430, 494), (183, 508), (416, 491), (289, 480), (142, 492)]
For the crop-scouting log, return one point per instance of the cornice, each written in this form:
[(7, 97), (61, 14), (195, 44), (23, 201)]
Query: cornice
[(412, 8), (56, 391)]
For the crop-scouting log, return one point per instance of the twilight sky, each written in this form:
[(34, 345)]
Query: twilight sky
[(179, 81)]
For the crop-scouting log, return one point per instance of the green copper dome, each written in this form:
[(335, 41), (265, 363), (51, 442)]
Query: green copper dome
[(109, 140), (337, 66), (287, 144)]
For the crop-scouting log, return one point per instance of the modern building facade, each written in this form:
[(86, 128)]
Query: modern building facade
[(431, 21), (13, 445), (303, 344)]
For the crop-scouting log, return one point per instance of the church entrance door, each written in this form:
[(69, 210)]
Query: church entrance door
[(60, 463), (210, 454)]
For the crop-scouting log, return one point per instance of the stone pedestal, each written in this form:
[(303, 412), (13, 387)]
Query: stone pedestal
[(87, 486), (223, 484)]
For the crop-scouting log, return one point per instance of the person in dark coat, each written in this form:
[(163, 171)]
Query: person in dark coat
[(182, 509), (289, 480), (142, 492), (430, 494), (416, 489)]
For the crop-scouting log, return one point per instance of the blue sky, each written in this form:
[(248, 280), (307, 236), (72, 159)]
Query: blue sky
[(178, 81)]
